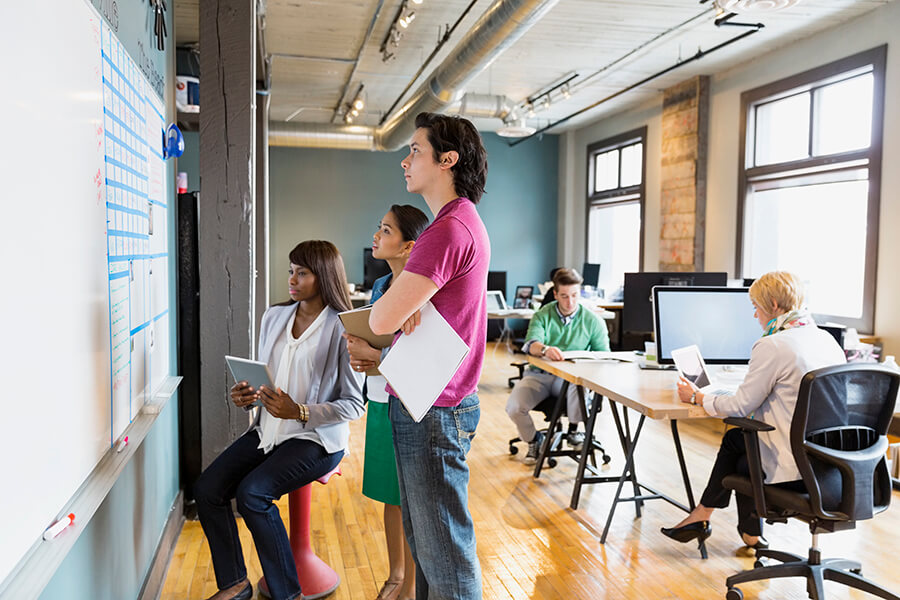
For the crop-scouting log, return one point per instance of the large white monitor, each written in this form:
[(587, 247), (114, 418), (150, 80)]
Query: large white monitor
[(719, 320)]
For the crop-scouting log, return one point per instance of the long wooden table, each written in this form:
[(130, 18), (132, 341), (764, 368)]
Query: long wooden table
[(649, 393)]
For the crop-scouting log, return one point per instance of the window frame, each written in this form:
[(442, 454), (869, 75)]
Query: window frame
[(869, 158), (617, 195)]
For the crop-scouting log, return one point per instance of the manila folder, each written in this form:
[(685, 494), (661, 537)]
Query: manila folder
[(421, 364), (356, 322)]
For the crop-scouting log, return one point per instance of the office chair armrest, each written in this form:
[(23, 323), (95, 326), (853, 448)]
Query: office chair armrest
[(748, 424), (751, 429)]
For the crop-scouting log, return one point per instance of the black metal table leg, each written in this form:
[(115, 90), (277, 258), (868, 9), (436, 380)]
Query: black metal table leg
[(551, 429), (629, 464), (586, 449)]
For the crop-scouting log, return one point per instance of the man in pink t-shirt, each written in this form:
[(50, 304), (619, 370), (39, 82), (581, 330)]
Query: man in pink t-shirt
[(447, 165)]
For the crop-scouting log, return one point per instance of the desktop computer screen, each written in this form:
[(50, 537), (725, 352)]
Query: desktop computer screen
[(719, 320), (373, 268), (637, 309), (590, 272)]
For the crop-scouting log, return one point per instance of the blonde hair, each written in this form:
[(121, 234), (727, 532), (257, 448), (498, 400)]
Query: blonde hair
[(781, 288)]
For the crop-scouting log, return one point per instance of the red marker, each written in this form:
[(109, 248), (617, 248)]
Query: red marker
[(122, 443), (55, 529)]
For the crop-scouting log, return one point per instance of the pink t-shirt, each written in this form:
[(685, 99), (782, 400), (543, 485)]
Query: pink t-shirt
[(454, 252)]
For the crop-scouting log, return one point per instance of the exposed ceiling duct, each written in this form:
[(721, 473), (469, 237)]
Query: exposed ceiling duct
[(504, 22)]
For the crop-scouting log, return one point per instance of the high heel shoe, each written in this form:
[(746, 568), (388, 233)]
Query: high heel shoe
[(761, 542), (698, 530)]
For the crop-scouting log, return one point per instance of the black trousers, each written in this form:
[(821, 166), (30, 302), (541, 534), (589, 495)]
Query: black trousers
[(732, 459)]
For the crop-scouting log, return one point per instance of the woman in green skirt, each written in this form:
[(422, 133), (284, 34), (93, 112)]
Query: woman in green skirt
[(392, 242)]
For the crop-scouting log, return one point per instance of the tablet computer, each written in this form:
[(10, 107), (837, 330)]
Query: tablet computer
[(255, 373)]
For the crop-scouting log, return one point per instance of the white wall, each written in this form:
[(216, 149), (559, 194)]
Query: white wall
[(873, 29)]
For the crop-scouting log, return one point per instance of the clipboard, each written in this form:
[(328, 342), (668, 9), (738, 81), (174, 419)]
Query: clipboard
[(356, 322)]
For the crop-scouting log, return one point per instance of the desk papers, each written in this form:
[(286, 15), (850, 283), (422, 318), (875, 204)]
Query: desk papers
[(421, 364), (586, 356)]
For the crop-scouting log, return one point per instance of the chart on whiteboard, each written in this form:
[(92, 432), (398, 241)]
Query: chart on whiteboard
[(133, 130)]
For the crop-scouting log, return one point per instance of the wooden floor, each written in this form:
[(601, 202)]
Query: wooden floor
[(531, 545)]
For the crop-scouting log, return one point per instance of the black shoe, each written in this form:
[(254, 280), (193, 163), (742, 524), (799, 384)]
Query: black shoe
[(699, 530), (245, 594), (761, 542)]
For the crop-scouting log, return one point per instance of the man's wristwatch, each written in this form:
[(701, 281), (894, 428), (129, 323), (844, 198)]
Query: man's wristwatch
[(694, 398), (543, 350)]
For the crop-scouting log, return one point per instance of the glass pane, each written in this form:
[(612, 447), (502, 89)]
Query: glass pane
[(843, 116), (606, 171), (782, 130), (631, 164), (614, 238), (817, 232)]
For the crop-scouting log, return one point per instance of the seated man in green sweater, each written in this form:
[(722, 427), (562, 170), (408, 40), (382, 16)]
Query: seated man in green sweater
[(557, 327)]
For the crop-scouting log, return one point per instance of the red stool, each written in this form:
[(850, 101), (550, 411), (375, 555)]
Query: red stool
[(317, 579)]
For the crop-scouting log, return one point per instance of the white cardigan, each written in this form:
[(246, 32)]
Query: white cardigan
[(778, 362)]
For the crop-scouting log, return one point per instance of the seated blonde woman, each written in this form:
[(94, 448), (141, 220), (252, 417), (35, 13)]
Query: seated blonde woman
[(791, 346)]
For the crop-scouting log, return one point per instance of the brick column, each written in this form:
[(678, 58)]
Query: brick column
[(685, 132)]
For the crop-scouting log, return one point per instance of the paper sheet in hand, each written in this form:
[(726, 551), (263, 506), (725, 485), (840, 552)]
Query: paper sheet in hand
[(255, 373), (421, 364)]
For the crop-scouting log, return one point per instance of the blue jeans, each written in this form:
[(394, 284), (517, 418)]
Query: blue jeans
[(434, 494), (255, 479)]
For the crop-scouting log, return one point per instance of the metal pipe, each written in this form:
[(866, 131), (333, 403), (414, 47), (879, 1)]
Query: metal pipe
[(502, 24)]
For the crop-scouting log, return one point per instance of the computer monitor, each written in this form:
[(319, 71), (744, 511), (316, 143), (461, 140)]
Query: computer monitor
[(590, 272), (522, 299), (373, 268), (637, 307), (718, 320)]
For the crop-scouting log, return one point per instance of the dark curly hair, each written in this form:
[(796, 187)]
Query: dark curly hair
[(452, 133)]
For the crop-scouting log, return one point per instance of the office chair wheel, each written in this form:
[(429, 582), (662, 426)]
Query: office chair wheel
[(513, 449), (734, 594), (606, 459), (758, 564), (551, 462), (857, 571)]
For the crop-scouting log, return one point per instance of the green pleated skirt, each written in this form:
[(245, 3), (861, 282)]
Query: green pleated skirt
[(380, 468)]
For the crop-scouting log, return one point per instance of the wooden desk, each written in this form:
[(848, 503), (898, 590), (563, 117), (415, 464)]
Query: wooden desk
[(651, 394)]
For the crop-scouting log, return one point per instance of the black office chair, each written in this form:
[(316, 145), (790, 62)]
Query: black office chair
[(545, 406), (553, 433), (839, 446)]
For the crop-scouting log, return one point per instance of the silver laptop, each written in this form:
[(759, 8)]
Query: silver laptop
[(691, 366), (496, 303)]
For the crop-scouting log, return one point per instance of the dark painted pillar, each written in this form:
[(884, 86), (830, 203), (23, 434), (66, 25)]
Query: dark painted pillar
[(262, 206), (226, 226)]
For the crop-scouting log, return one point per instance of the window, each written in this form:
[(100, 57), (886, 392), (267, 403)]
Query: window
[(809, 184), (615, 207)]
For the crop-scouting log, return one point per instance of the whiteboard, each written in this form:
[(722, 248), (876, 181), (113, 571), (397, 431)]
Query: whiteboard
[(84, 312)]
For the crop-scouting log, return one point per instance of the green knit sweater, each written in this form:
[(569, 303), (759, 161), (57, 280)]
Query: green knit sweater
[(586, 331)]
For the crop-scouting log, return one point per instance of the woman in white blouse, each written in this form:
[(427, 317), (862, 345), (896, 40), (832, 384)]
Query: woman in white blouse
[(299, 434), (791, 346)]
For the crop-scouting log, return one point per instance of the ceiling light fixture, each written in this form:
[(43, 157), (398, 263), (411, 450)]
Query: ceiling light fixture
[(543, 98), (353, 108), (402, 21), (515, 129)]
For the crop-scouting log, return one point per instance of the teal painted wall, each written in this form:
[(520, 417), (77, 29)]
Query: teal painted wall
[(112, 556), (340, 195)]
